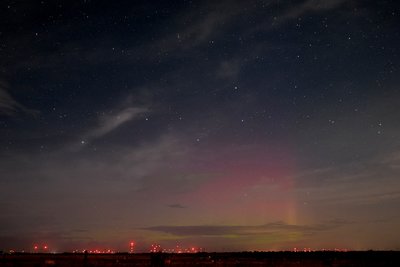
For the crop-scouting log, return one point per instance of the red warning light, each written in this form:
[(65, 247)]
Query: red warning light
[(131, 247)]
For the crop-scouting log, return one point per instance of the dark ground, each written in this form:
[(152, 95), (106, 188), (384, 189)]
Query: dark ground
[(272, 259)]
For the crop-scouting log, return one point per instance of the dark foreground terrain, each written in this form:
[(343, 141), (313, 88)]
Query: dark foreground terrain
[(272, 259)]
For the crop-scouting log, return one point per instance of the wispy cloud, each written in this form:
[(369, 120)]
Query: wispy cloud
[(310, 6), (224, 230), (199, 28), (354, 184), (110, 122), (202, 29), (8, 105)]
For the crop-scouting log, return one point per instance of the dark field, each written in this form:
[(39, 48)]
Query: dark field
[(272, 259)]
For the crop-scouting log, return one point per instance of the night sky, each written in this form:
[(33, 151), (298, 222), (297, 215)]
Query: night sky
[(229, 125)]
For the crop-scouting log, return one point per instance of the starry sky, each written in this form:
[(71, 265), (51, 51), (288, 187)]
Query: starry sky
[(229, 125)]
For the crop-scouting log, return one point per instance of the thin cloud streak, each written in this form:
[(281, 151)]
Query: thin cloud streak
[(109, 123), (311, 6), (222, 230), (9, 106)]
